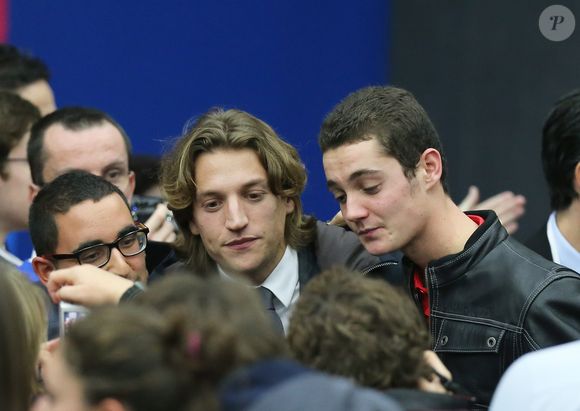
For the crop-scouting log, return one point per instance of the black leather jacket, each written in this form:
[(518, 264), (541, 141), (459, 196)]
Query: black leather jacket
[(495, 301)]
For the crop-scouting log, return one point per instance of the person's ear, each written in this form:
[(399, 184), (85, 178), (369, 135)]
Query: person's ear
[(33, 190), (289, 204), (130, 186), (193, 228), (576, 181), (431, 164), (43, 267)]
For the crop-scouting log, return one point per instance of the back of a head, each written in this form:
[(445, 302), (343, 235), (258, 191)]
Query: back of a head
[(22, 328), (19, 69), (228, 316), (232, 130), (561, 150), (132, 355), (373, 329), (170, 349), (16, 117), (70, 118), (58, 197), (391, 115)]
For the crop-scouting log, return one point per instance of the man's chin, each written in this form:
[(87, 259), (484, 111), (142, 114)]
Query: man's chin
[(246, 273), (376, 247)]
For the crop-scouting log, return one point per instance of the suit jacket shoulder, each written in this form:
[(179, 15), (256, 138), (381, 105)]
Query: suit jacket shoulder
[(335, 245)]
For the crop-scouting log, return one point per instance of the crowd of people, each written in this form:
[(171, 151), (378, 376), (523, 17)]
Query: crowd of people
[(225, 295)]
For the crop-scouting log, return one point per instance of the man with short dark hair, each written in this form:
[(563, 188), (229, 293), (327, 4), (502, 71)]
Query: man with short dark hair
[(559, 239), (487, 299), (79, 138), (16, 117), (27, 76), (81, 219)]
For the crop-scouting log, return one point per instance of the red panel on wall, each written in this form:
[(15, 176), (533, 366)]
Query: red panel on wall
[(4, 16)]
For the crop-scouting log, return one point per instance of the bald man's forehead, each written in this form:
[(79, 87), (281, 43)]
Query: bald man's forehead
[(95, 149)]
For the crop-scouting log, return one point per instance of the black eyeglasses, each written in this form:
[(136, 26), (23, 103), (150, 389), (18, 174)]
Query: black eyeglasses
[(130, 244)]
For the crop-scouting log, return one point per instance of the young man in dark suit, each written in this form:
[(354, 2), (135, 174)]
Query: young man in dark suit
[(559, 238)]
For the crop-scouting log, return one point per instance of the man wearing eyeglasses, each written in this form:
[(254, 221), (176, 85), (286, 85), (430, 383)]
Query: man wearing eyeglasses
[(81, 219), (16, 117)]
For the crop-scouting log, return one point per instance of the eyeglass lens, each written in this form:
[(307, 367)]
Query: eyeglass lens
[(129, 245)]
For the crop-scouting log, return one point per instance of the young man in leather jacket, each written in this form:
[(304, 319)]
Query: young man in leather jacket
[(486, 298)]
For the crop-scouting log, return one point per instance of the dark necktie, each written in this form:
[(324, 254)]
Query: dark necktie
[(268, 302)]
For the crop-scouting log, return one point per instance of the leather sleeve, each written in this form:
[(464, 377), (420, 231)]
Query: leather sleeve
[(553, 316)]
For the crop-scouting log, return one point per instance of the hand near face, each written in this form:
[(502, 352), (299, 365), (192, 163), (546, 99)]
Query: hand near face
[(86, 285), (435, 384), (338, 220), (161, 226), (508, 206)]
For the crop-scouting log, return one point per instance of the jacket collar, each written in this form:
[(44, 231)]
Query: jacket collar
[(307, 265), (484, 239)]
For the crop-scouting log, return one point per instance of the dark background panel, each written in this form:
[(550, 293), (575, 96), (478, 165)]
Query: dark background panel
[(488, 78)]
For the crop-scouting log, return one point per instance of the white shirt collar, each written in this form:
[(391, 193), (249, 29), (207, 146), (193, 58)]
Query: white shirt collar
[(10, 257), (562, 251), (282, 281)]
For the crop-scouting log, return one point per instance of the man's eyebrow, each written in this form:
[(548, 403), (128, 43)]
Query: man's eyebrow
[(125, 230), (87, 244), (115, 164), (354, 176), (68, 170), (246, 186)]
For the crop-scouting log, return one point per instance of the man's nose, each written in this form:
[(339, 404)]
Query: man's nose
[(236, 217), (118, 264), (353, 209)]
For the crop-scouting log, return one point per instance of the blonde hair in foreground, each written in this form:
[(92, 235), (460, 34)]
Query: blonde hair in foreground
[(23, 325)]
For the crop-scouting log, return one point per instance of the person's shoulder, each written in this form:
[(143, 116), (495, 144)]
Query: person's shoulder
[(335, 233), (337, 245), (529, 379), (523, 255), (568, 353), (539, 243)]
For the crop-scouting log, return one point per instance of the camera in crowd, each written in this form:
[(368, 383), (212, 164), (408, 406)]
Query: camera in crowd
[(143, 206)]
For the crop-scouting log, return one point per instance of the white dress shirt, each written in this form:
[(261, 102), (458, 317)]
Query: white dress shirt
[(283, 283), (562, 251), (8, 256)]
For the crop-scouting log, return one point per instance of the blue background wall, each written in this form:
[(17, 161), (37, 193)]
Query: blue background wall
[(153, 65)]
